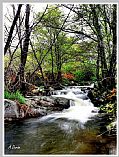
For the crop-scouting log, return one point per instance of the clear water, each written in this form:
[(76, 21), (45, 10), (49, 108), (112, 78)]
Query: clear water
[(73, 131), (58, 137)]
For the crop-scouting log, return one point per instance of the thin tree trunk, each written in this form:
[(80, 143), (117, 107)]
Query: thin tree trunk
[(39, 64), (52, 61), (58, 61), (98, 62), (12, 29), (100, 40), (25, 49), (112, 69), (53, 78)]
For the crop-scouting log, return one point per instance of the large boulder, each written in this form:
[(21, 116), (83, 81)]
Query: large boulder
[(48, 102), (11, 109), (26, 112), (35, 106), (62, 102), (55, 103)]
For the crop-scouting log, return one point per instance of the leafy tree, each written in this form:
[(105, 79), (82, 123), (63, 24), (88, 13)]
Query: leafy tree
[(57, 43), (96, 22), (53, 40)]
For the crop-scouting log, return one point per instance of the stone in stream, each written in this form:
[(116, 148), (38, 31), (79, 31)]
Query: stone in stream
[(11, 109), (62, 102), (35, 106), (83, 96), (51, 103)]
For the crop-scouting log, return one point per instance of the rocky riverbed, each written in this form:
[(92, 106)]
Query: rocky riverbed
[(35, 106)]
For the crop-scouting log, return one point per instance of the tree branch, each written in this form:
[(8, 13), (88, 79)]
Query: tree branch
[(12, 29)]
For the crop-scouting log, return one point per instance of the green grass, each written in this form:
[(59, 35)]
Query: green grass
[(14, 96)]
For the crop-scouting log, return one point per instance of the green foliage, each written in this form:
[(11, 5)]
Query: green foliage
[(93, 78), (14, 96), (85, 73), (109, 108), (15, 62), (68, 68), (66, 53), (65, 81), (111, 126), (6, 60), (53, 15), (79, 75)]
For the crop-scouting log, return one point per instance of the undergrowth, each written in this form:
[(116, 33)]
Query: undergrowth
[(14, 96)]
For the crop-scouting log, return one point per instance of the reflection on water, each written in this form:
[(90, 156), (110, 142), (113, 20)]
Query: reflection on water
[(72, 131), (58, 137)]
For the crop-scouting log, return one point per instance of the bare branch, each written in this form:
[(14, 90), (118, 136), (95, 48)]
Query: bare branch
[(12, 29)]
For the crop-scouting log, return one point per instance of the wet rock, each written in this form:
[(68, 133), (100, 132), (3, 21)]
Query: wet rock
[(35, 106), (27, 111), (61, 102), (83, 96), (11, 109), (49, 102), (45, 103)]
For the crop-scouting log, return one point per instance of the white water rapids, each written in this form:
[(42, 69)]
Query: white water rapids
[(62, 132), (79, 110)]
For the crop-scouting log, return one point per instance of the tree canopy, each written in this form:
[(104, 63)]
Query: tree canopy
[(60, 44)]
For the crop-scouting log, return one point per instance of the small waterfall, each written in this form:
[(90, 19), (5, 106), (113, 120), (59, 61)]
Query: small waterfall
[(79, 110)]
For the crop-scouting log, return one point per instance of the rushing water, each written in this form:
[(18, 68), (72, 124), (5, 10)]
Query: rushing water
[(76, 130)]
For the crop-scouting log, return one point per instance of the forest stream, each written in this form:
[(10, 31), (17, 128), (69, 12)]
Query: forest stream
[(80, 129)]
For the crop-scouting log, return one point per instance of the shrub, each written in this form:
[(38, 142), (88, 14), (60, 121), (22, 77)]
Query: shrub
[(14, 96), (68, 76), (79, 76), (65, 81), (110, 108), (86, 73), (68, 68)]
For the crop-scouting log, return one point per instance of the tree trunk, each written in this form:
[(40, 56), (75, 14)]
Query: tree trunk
[(98, 62), (112, 69), (12, 29), (39, 64), (58, 61), (25, 49), (100, 40), (52, 61), (53, 78)]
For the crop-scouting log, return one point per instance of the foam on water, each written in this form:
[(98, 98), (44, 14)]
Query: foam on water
[(81, 111)]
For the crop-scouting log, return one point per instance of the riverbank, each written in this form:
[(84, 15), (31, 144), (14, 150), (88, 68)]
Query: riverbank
[(104, 96), (67, 123), (35, 106), (39, 106)]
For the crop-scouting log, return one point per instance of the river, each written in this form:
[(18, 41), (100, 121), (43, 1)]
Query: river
[(76, 130)]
